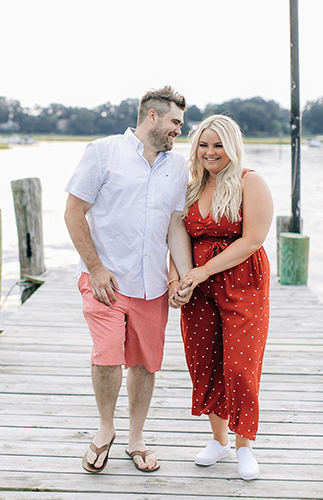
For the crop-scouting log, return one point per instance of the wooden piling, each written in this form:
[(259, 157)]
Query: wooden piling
[(0, 255), (283, 225), (28, 209), (293, 256)]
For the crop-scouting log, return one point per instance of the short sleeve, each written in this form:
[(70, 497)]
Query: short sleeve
[(182, 188), (87, 179)]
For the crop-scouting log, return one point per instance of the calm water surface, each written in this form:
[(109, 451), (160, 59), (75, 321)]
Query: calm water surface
[(54, 162)]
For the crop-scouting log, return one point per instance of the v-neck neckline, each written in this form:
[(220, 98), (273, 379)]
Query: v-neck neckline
[(207, 215)]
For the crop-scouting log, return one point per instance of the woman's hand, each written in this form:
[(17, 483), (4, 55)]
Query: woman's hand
[(194, 277)]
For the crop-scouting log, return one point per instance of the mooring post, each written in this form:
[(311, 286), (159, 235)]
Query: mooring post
[(293, 256), (28, 208), (292, 247), (295, 119), (0, 255), (283, 225)]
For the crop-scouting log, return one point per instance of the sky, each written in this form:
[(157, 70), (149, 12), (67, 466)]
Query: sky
[(86, 53)]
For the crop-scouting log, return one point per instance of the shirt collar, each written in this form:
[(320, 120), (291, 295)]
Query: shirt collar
[(137, 144), (134, 141)]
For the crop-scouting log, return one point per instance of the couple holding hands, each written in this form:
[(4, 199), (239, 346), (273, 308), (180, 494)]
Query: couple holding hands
[(129, 202)]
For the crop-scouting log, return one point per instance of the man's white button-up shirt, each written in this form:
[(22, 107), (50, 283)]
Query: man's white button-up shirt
[(131, 208)]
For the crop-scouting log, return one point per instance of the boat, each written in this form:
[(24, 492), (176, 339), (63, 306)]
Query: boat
[(315, 143), (17, 139)]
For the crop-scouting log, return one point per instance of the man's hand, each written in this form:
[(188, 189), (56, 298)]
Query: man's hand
[(178, 297), (101, 286)]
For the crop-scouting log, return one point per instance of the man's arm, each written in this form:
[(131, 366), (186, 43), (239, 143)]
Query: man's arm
[(77, 225)]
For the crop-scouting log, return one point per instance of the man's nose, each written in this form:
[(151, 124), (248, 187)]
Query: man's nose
[(178, 129)]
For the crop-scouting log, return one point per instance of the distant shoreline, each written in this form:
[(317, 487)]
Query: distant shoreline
[(247, 140), (89, 138)]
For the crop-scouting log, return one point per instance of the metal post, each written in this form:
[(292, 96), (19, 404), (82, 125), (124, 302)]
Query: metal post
[(295, 120)]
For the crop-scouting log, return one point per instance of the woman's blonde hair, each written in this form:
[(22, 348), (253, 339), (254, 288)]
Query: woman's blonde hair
[(227, 196)]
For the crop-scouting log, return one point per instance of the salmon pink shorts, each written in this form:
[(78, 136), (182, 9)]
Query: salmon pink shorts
[(130, 332)]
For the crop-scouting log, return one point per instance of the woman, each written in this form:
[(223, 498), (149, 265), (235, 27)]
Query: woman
[(228, 214)]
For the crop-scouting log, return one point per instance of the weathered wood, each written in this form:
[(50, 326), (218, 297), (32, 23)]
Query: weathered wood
[(48, 413), (223, 482), (42, 495), (28, 209), (283, 225), (293, 256), (0, 257)]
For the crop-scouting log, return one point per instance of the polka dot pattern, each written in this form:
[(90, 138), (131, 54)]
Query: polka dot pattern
[(225, 327)]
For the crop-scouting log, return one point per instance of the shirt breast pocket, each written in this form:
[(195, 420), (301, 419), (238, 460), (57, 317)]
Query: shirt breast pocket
[(170, 192)]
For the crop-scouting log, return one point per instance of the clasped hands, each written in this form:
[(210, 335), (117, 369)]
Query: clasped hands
[(181, 291)]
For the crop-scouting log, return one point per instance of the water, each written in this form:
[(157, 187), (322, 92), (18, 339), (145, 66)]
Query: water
[(54, 162)]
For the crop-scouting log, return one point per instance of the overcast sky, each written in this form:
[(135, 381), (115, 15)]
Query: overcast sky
[(85, 53)]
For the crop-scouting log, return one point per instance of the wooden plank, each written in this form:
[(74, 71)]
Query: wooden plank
[(52, 383), (15, 410), (182, 453), (182, 387), (39, 495), (120, 466), (198, 439), (226, 484), (48, 411), (154, 425)]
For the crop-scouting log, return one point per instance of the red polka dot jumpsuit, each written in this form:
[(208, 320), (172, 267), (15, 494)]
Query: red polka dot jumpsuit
[(225, 326)]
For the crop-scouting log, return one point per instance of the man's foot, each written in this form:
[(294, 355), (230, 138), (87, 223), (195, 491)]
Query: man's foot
[(96, 457), (143, 458)]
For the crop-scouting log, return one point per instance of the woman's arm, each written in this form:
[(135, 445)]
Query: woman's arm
[(257, 207)]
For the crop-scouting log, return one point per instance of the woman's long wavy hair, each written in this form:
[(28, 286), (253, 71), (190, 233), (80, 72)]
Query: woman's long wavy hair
[(227, 196)]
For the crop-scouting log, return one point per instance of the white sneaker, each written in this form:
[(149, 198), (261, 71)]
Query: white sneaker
[(213, 452), (248, 465)]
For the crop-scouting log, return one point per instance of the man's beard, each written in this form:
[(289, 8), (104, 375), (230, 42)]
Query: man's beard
[(159, 140)]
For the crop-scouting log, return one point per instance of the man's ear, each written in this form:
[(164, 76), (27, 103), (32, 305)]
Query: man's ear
[(152, 116)]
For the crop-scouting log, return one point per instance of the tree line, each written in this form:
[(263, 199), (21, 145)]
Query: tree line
[(256, 117)]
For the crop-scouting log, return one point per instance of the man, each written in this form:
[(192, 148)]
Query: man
[(125, 201)]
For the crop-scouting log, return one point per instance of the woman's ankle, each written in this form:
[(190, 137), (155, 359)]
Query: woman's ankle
[(240, 442), (223, 439)]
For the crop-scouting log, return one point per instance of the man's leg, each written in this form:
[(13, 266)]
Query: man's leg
[(146, 323), (107, 327), (106, 382), (140, 384)]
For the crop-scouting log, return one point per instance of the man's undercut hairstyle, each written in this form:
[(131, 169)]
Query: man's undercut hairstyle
[(159, 100)]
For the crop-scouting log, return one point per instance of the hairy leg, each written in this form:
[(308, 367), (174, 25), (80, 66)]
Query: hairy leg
[(140, 384), (106, 382)]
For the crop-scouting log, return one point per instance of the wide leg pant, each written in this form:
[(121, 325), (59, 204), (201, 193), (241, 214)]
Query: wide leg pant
[(224, 328)]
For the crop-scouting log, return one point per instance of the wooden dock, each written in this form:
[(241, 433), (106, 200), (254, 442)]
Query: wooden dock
[(48, 414)]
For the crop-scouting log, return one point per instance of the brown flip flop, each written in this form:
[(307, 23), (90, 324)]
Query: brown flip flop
[(97, 451), (143, 455)]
